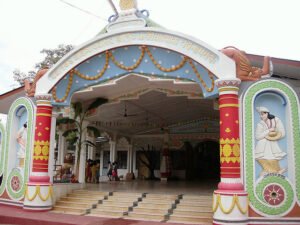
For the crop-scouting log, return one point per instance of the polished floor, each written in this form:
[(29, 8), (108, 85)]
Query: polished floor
[(171, 187)]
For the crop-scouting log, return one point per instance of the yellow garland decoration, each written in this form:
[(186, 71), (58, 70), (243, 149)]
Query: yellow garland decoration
[(235, 201), (200, 78), (109, 55), (38, 192), (177, 67), (134, 66)]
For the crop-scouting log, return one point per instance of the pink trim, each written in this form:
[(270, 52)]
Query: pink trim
[(231, 193), (33, 184), (37, 210), (39, 179), (230, 186)]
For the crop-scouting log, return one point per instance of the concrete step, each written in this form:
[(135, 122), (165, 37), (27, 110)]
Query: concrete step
[(161, 205), (76, 204), (123, 204), (127, 194), (202, 221), (89, 194), (66, 212), (161, 196), (150, 210), (107, 211), (154, 217), (198, 204), (193, 208), (201, 214), (86, 196), (90, 191), (66, 209), (79, 200), (101, 207), (123, 200), (196, 197), (106, 214), (158, 201)]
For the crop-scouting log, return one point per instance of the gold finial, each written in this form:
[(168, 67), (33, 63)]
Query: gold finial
[(128, 4)]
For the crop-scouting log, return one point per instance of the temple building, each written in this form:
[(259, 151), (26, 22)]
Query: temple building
[(162, 105)]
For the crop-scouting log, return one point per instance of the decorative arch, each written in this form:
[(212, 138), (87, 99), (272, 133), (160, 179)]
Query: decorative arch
[(106, 57), (2, 151), (14, 176), (256, 187)]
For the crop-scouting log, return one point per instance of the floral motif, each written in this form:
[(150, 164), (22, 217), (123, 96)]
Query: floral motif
[(15, 183), (274, 194)]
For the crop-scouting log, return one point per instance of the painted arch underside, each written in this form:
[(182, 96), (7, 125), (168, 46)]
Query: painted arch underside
[(149, 61)]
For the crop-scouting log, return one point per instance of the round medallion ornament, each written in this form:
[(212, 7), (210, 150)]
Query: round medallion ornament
[(15, 183), (274, 194)]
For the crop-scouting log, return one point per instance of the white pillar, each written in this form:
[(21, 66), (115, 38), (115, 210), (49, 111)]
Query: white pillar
[(52, 146), (134, 160), (63, 151), (130, 155), (112, 149), (101, 162), (82, 161), (61, 148)]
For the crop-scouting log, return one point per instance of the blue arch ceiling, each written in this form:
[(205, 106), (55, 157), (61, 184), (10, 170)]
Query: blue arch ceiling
[(121, 61)]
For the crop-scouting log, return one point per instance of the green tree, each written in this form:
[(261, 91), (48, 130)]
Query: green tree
[(75, 135), (52, 57)]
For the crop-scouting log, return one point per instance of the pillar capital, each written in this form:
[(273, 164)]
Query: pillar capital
[(43, 97), (235, 82)]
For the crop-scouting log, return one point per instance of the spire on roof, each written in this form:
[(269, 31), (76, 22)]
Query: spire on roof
[(128, 4)]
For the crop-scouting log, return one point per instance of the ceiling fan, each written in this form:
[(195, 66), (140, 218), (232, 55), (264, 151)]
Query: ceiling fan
[(125, 114)]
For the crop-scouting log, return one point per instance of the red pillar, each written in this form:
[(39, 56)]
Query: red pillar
[(38, 195), (229, 135), (230, 203)]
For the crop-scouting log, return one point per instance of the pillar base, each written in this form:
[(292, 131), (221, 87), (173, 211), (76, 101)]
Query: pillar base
[(38, 194), (230, 186), (129, 176), (230, 207)]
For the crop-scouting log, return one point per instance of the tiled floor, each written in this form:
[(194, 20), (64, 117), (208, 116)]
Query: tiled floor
[(171, 187)]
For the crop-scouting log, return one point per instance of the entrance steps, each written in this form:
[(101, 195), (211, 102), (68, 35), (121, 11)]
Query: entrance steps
[(116, 205), (79, 202), (195, 209), (189, 209), (154, 207)]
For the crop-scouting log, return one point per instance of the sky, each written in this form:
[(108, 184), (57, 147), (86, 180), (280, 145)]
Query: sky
[(261, 27)]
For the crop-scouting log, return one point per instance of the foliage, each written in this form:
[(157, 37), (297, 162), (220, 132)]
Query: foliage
[(52, 57), (75, 135)]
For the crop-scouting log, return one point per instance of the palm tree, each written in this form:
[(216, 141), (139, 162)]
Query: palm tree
[(75, 135)]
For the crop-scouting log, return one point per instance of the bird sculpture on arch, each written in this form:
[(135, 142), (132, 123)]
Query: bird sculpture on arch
[(244, 70), (30, 87)]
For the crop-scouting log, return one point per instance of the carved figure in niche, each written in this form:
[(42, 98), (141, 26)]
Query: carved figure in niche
[(267, 151), (21, 139), (30, 87), (244, 70)]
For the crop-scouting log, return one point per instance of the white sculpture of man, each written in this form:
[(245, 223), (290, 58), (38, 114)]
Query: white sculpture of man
[(21, 139)]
